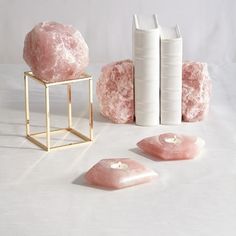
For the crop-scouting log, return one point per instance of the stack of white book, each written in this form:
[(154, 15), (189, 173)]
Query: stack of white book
[(146, 56), (171, 75), (157, 55)]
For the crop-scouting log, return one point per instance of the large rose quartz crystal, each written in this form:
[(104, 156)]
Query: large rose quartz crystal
[(196, 91), (115, 92), (55, 52), (119, 173), (170, 146)]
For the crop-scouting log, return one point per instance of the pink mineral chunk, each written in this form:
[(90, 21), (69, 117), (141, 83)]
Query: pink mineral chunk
[(115, 92), (171, 146), (196, 91), (55, 52), (119, 173)]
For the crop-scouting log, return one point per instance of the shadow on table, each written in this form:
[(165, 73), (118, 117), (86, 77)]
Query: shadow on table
[(23, 124), (80, 180), (20, 148), (140, 153), (4, 135)]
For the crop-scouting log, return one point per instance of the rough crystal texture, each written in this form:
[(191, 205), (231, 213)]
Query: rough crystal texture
[(196, 91), (115, 92), (55, 52), (119, 173), (171, 146)]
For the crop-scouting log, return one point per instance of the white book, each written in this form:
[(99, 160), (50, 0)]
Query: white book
[(146, 57), (171, 75)]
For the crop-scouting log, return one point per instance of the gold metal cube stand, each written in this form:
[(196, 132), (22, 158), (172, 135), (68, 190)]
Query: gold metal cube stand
[(33, 136)]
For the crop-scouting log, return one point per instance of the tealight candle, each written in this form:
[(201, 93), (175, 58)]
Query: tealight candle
[(119, 165), (173, 140)]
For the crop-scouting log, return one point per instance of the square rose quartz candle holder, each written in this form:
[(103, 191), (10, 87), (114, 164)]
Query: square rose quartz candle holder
[(117, 173), (34, 137)]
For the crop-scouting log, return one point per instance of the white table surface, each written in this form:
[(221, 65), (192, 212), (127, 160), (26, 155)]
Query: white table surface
[(44, 193)]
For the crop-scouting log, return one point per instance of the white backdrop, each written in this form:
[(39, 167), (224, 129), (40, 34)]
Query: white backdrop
[(208, 26)]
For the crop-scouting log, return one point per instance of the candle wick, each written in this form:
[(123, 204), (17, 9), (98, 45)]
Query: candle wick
[(175, 138)]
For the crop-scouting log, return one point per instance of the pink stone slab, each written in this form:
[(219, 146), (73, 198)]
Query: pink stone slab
[(171, 146), (196, 91), (55, 52), (115, 92), (119, 173)]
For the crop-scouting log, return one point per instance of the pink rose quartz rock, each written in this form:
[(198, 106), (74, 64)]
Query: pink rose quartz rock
[(119, 173), (115, 92), (55, 52), (196, 91), (170, 146)]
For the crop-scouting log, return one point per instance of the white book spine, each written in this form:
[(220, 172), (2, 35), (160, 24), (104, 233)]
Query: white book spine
[(171, 78), (146, 56)]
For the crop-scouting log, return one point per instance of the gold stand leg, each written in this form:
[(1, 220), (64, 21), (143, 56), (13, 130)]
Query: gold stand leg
[(27, 118), (69, 106), (91, 109), (47, 118)]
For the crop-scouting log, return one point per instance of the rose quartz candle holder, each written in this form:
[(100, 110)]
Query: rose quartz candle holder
[(34, 137), (171, 146), (117, 173)]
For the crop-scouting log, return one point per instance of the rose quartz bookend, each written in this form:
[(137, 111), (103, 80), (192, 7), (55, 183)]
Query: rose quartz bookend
[(196, 91), (170, 146), (119, 173), (55, 52), (115, 92)]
